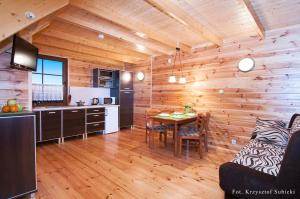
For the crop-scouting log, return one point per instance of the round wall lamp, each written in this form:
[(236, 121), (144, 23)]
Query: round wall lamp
[(140, 76), (246, 64)]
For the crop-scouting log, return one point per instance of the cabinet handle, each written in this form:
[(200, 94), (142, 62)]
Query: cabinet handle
[(96, 110), (127, 92), (74, 111), (96, 115), (96, 124), (51, 112)]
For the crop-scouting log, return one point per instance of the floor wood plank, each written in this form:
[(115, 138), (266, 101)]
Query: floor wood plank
[(121, 165)]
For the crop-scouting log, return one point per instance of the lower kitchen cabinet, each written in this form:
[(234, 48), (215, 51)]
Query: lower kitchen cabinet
[(17, 146), (95, 127), (51, 125), (73, 122)]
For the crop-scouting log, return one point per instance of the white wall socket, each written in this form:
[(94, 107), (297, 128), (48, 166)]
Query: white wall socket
[(233, 141)]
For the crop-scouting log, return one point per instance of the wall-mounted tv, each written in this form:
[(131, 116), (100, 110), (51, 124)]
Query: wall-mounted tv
[(24, 55)]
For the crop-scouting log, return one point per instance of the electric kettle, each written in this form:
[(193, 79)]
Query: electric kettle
[(95, 101)]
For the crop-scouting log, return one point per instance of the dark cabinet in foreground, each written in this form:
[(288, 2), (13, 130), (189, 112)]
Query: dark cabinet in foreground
[(17, 155)]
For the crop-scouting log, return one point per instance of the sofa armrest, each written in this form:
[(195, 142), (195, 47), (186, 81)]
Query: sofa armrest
[(242, 181)]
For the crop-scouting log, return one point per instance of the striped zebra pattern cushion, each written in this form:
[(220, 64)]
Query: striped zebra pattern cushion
[(260, 123), (261, 156), (273, 135)]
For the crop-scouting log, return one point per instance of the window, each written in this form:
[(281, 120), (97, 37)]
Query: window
[(49, 82)]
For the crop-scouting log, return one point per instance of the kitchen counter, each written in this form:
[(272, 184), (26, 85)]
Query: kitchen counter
[(51, 108)]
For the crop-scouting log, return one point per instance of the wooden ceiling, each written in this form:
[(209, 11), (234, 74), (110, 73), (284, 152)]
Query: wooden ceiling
[(134, 30)]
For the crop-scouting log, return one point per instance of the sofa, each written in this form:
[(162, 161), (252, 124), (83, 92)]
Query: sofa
[(263, 169)]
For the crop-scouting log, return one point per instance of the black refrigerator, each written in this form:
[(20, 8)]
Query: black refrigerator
[(123, 91)]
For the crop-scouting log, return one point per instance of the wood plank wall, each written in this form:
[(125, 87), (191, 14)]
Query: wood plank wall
[(13, 83), (81, 73), (271, 90)]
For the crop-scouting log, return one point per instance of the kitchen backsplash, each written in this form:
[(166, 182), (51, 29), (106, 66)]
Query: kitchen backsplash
[(86, 94)]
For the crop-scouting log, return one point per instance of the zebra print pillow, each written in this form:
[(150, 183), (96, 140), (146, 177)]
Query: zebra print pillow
[(260, 156), (260, 123), (273, 135)]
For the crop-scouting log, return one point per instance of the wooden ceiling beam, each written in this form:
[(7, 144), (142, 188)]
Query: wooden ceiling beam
[(86, 19), (175, 12), (108, 13), (54, 51), (64, 44), (75, 34), (12, 14), (254, 18)]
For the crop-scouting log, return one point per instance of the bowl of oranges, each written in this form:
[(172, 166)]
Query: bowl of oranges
[(12, 107)]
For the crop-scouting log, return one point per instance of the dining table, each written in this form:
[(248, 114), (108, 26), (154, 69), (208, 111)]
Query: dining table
[(177, 120)]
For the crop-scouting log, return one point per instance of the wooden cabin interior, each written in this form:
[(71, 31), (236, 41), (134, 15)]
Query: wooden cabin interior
[(149, 99)]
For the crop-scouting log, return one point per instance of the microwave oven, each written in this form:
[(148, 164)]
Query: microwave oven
[(109, 100)]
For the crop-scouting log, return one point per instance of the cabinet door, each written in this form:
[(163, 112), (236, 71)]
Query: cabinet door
[(51, 125), (38, 126), (126, 80), (17, 156), (73, 122), (126, 109)]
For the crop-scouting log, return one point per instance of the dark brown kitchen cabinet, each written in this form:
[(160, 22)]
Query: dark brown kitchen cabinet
[(126, 80), (126, 109), (73, 122), (100, 126), (91, 118), (17, 156), (51, 125), (95, 120), (38, 126)]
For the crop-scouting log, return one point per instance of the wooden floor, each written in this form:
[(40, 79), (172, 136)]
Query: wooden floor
[(121, 166)]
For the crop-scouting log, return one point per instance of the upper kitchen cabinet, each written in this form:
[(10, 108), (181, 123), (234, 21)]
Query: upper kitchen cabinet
[(126, 80), (103, 78)]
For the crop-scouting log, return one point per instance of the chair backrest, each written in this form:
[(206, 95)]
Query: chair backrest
[(202, 122), (149, 113)]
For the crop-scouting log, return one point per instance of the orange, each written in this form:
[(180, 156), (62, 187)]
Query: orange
[(5, 109), (13, 108)]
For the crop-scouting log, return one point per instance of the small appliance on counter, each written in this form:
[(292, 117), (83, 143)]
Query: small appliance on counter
[(95, 101), (80, 103), (109, 100)]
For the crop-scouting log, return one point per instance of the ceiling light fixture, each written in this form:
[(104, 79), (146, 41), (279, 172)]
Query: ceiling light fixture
[(101, 36), (29, 15), (141, 34), (140, 47), (246, 64), (172, 77)]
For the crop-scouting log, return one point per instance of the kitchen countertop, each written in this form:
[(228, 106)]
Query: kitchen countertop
[(16, 114), (49, 108)]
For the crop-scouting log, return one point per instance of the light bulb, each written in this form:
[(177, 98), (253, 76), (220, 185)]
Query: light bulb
[(126, 76), (140, 76), (182, 80), (172, 79)]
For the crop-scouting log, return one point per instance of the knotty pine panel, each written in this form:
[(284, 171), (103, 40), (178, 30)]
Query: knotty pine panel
[(81, 73), (13, 83), (271, 90)]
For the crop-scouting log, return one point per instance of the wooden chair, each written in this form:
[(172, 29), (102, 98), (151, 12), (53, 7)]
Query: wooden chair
[(195, 132), (152, 127)]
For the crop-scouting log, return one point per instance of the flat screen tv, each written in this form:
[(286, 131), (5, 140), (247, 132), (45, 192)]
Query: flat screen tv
[(24, 55)]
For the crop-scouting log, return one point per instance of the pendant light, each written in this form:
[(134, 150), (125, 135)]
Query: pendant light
[(172, 77)]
